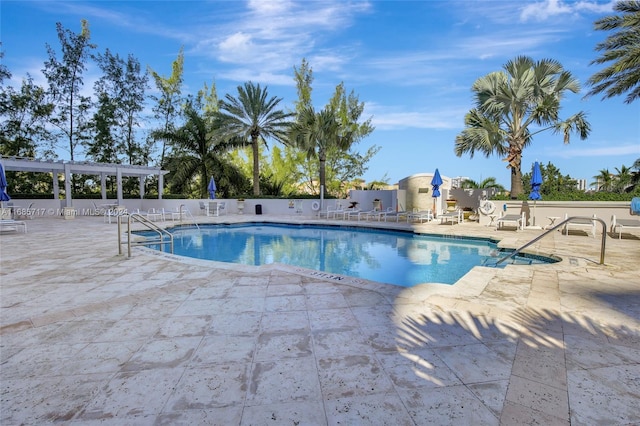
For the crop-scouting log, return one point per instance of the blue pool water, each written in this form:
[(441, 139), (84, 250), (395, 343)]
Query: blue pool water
[(393, 257)]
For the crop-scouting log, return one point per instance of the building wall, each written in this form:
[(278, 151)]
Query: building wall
[(419, 192)]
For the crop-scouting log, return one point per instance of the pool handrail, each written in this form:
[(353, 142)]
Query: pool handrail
[(148, 224), (539, 237)]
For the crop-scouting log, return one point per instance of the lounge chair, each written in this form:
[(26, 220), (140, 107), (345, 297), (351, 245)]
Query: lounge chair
[(420, 216), (580, 223), (333, 212), (620, 224), (156, 214), (378, 214), (454, 217), (349, 213), (12, 225), (396, 215), (518, 220)]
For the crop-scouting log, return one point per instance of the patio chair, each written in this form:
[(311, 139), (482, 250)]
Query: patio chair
[(620, 224), (580, 223), (349, 213), (396, 215), (332, 212), (203, 208), (454, 217), (420, 216), (378, 214), (156, 214), (517, 220), (11, 225)]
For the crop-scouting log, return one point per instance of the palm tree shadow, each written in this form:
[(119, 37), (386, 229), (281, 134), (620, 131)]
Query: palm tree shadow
[(485, 354)]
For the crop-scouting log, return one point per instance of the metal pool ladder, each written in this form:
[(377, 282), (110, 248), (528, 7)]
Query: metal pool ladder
[(548, 231), (136, 217)]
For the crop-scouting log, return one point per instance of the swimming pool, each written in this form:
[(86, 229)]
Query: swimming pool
[(393, 257)]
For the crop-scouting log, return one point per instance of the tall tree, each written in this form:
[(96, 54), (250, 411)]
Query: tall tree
[(25, 114), (623, 179), (316, 133), (168, 102), (508, 102), (328, 135), (66, 81), (603, 180), (621, 50), (489, 182), (198, 153), (121, 92), (252, 117), (303, 78)]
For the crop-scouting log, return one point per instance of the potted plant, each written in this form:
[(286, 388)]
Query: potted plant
[(451, 204), (467, 212), (377, 204)]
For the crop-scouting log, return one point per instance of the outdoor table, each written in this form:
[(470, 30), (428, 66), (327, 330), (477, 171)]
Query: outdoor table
[(492, 218)]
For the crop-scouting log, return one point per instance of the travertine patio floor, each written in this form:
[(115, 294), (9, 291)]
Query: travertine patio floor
[(90, 337)]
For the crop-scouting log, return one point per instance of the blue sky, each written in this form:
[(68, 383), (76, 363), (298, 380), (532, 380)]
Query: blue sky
[(412, 62)]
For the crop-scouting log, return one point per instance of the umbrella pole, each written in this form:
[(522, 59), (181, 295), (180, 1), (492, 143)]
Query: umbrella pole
[(533, 222)]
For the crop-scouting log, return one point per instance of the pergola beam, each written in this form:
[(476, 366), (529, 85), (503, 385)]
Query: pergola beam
[(83, 167)]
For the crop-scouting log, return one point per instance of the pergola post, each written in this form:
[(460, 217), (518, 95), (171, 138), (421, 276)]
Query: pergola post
[(142, 178), (103, 185), (67, 185), (119, 180), (56, 186)]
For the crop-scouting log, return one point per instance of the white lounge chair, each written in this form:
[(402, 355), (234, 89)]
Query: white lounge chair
[(620, 224), (333, 212), (10, 225), (396, 215), (420, 216), (511, 219), (379, 214), (453, 217), (580, 223), (156, 214)]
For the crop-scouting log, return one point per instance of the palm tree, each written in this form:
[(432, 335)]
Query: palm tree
[(635, 175), (197, 153), (604, 181), (622, 50), (251, 118), (623, 179), (317, 134), (489, 182), (508, 102)]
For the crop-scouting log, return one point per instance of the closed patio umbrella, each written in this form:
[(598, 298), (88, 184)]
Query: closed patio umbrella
[(536, 182), (3, 186), (212, 189), (436, 181)]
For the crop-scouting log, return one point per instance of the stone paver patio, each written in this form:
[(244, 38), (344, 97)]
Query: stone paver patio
[(90, 337)]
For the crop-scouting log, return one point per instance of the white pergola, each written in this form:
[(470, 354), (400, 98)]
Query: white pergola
[(84, 167)]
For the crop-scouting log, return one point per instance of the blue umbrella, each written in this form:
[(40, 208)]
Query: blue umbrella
[(3, 186), (212, 189), (536, 182), (435, 183)]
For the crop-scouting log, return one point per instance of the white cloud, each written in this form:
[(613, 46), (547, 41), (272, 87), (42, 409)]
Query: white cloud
[(391, 118), (541, 11), (604, 151)]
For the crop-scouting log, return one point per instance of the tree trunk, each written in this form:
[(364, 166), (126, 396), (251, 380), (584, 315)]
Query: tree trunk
[(516, 182), (256, 166), (322, 166)]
